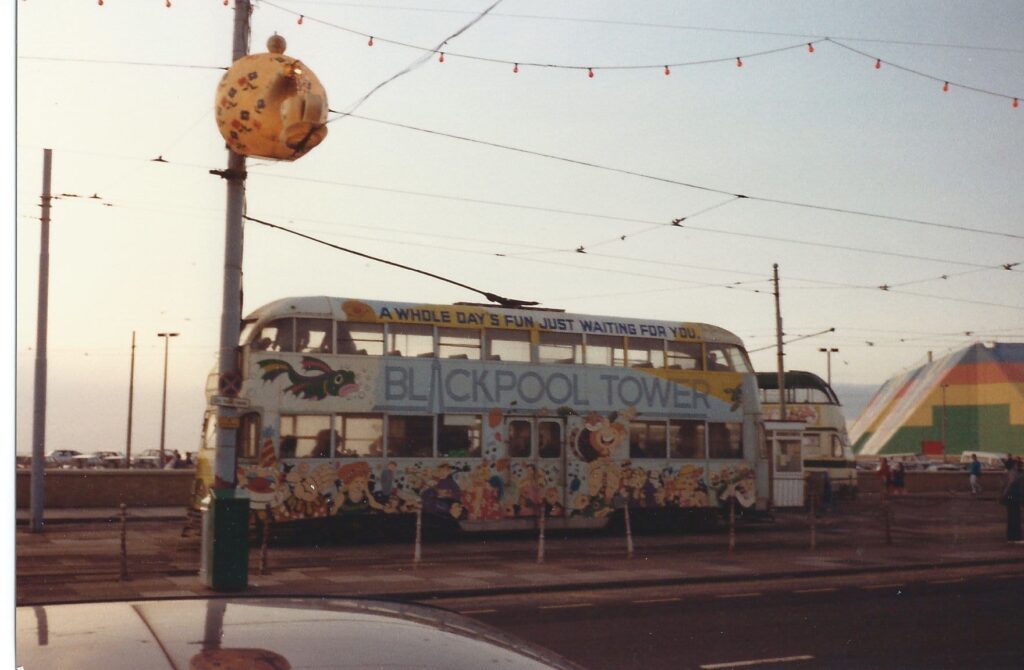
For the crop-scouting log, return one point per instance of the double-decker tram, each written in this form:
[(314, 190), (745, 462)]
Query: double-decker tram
[(826, 445), (484, 416)]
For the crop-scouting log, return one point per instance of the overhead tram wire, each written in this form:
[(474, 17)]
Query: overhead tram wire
[(677, 182), (493, 297)]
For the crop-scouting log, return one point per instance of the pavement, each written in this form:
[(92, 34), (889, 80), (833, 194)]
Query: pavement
[(77, 557)]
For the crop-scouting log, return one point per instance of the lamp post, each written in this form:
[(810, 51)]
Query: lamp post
[(828, 351), (163, 408)]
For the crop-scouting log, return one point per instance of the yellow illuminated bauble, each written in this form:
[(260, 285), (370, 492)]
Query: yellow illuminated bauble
[(271, 105)]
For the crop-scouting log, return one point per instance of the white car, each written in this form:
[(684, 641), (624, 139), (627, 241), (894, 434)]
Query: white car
[(62, 458)]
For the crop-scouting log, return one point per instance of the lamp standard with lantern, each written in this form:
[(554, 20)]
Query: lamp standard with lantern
[(163, 407)]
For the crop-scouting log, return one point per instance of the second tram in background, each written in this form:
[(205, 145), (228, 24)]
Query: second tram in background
[(826, 445)]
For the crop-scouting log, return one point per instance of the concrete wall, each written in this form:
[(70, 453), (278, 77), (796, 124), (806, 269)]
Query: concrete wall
[(107, 488)]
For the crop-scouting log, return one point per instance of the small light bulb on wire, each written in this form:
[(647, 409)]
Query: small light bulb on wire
[(590, 72), (440, 59), (667, 71), (167, 4), (878, 63), (945, 87), (515, 69), (739, 62), (370, 43), (301, 18), (810, 48), (1016, 103)]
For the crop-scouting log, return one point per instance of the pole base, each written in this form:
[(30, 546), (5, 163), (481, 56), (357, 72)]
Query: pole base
[(224, 561)]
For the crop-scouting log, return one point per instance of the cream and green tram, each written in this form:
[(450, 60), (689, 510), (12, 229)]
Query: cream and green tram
[(486, 416)]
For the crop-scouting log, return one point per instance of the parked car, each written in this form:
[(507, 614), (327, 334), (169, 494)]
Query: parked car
[(149, 458), (99, 459), (61, 458)]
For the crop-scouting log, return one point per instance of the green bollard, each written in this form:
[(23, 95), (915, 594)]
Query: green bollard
[(224, 562)]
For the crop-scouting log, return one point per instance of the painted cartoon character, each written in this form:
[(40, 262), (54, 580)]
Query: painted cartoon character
[(355, 497), (481, 498), (440, 498), (264, 482), (305, 501), (602, 436), (314, 387)]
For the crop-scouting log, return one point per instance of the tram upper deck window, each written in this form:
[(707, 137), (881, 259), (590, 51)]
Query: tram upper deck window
[(410, 340), (313, 336), (560, 348), (305, 435), (809, 396), (248, 437), (459, 436), (647, 439), (360, 338), (605, 350), (726, 357), (686, 439), (410, 436), (278, 335), (508, 345), (646, 352), (458, 343), (248, 328), (683, 355)]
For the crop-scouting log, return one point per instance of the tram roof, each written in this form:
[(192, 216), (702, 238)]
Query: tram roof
[(794, 379), (352, 309)]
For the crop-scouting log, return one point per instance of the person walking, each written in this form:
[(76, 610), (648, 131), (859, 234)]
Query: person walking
[(885, 474), (1011, 497), (899, 480), (975, 472)]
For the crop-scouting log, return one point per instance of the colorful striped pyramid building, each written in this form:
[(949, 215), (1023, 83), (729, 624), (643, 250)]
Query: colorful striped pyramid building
[(979, 391)]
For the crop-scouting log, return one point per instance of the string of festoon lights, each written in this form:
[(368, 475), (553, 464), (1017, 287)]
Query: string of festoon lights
[(666, 68)]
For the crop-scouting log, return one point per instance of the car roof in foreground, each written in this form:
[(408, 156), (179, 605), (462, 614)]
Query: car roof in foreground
[(265, 634)]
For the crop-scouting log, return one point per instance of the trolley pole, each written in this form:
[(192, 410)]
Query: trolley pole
[(39, 413), (778, 340), (225, 543)]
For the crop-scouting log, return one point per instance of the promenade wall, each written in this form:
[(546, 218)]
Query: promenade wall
[(107, 488)]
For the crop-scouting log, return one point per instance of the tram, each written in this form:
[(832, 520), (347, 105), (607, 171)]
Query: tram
[(487, 416)]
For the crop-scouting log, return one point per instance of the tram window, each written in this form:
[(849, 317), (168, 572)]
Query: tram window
[(812, 443), (605, 350), (770, 396), (307, 433), (359, 436), (411, 340), (248, 438), (683, 355), (725, 440), (737, 358), (360, 338), (410, 436), (458, 343), (458, 436), (278, 335), (549, 439), (837, 446), (686, 439), (646, 352), (716, 358), (647, 439), (313, 336), (519, 440), (560, 348), (248, 328), (508, 345)]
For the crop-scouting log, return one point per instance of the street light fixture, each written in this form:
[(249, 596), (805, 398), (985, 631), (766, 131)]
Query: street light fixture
[(828, 351), (163, 409)]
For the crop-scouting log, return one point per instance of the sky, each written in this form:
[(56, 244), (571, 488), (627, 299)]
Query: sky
[(602, 165)]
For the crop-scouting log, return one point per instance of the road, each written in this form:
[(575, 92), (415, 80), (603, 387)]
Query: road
[(957, 620)]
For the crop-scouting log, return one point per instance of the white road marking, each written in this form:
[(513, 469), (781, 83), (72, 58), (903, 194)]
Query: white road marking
[(828, 589), (564, 607), (741, 595), (658, 600), (759, 661), (484, 611)]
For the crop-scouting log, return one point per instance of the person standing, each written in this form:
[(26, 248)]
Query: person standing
[(899, 480), (885, 475), (975, 472), (1011, 497)]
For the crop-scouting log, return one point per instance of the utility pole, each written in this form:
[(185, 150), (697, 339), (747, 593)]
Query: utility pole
[(39, 412), (131, 405), (944, 387), (828, 351), (163, 405), (225, 542), (778, 340)]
